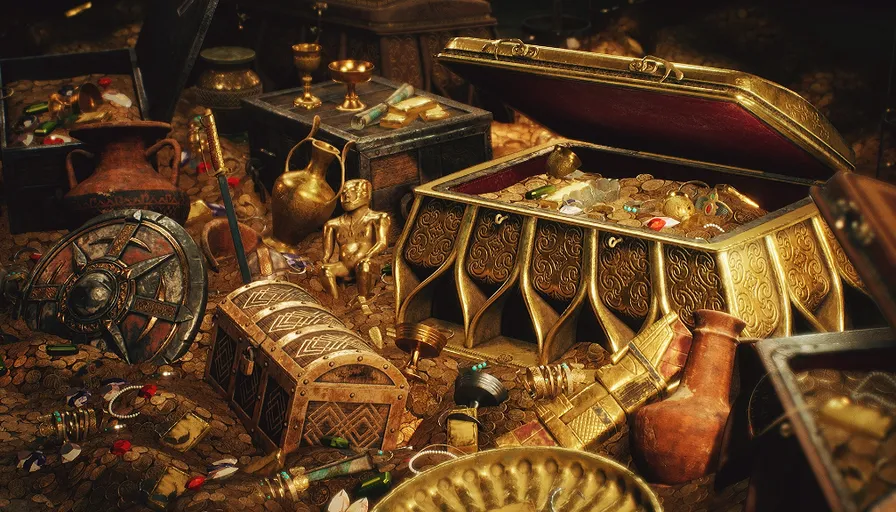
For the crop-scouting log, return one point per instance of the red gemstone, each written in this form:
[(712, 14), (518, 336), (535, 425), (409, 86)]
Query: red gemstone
[(105, 82), (195, 482), (121, 447), (656, 224), (202, 168), (53, 140), (233, 181), (148, 391)]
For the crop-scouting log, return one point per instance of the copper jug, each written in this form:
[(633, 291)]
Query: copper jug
[(678, 439), (302, 201), (124, 178)]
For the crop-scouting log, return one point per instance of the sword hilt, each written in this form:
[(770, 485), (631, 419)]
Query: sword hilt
[(214, 144)]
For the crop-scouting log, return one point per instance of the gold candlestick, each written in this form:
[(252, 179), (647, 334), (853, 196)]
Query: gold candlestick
[(306, 57)]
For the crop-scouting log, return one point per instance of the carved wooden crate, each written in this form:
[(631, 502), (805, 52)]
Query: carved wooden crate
[(523, 283), (312, 377)]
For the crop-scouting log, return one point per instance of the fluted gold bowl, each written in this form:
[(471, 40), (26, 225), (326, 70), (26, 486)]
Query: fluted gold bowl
[(523, 479)]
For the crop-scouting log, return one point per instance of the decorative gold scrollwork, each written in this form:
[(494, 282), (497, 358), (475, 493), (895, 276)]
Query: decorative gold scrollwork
[(519, 49), (557, 260), (804, 265), (652, 66), (434, 234), (494, 246), (624, 275), (755, 291), (693, 282)]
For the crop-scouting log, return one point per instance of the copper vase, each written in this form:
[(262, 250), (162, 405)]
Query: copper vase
[(678, 440), (124, 177), (302, 200)]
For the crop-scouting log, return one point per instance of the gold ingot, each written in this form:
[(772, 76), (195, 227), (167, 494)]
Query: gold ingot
[(302, 200)]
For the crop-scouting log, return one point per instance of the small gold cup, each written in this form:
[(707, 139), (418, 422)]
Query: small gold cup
[(306, 57), (351, 73), (420, 341)]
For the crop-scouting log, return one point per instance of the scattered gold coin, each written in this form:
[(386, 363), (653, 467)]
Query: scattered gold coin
[(628, 191), (651, 185)]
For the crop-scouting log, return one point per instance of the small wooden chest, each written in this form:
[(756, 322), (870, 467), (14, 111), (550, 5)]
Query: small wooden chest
[(394, 161), (34, 177), (293, 373)]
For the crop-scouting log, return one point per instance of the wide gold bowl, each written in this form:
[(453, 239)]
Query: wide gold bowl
[(351, 72), (523, 479)]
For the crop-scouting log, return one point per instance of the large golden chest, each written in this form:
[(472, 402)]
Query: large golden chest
[(524, 284)]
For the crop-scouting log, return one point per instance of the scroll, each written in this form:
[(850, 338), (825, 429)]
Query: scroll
[(370, 116)]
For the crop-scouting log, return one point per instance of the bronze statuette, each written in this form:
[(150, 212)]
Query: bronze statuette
[(352, 240)]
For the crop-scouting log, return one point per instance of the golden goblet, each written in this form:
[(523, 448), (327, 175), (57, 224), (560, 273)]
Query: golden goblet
[(306, 57), (351, 73)]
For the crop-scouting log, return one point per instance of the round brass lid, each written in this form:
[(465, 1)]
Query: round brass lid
[(228, 55)]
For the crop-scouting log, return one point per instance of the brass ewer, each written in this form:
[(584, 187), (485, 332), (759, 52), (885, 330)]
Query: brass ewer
[(302, 200)]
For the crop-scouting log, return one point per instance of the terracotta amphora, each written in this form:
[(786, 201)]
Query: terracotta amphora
[(124, 178), (678, 439), (302, 200)]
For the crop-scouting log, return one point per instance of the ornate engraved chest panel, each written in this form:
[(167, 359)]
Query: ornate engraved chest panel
[(293, 373)]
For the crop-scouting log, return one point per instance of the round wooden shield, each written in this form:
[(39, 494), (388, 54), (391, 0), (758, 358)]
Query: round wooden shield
[(133, 278)]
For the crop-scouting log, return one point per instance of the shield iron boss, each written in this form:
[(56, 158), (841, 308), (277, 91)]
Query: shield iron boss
[(132, 278)]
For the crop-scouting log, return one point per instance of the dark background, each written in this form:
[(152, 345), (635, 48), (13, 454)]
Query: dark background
[(835, 54)]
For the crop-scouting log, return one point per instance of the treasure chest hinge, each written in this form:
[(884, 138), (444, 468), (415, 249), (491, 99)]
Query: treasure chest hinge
[(518, 48), (656, 66)]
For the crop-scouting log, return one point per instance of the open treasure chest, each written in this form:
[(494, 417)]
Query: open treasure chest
[(293, 373), (519, 278)]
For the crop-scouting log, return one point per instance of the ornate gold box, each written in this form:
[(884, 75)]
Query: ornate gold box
[(293, 373), (526, 283)]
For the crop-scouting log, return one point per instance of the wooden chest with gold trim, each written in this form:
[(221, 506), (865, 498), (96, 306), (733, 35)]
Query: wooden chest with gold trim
[(523, 284), (293, 373)]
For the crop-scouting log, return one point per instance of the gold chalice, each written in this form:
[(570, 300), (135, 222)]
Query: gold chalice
[(306, 57), (350, 73)]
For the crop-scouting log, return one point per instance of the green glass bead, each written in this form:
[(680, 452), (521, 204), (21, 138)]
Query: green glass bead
[(540, 192), (334, 442), (37, 108), (46, 128), (62, 350), (374, 486)]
